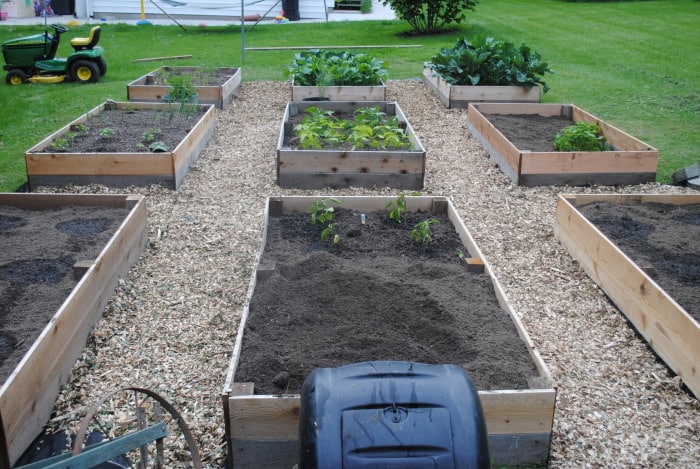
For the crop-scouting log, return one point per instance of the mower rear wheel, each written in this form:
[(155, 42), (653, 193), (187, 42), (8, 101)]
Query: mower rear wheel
[(16, 77), (84, 71), (102, 65)]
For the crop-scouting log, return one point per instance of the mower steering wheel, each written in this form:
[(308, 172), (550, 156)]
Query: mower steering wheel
[(59, 28)]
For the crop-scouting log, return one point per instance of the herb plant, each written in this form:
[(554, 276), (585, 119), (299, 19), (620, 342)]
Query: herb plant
[(370, 129), (336, 68), (321, 212), (582, 136), (421, 231), (489, 61)]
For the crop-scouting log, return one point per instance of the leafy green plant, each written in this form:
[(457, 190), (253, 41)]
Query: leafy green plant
[(399, 207), (366, 6), (421, 231), (181, 90), (336, 68), (370, 128), (150, 135), (321, 212), (431, 16), (490, 62), (329, 234), (107, 133), (60, 144), (582, 136)]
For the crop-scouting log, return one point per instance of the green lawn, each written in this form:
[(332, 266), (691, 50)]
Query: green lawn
[(633, 64)]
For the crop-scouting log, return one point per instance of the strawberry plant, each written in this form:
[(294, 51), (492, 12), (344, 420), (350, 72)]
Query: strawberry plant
[(489, 61), (582, 136)]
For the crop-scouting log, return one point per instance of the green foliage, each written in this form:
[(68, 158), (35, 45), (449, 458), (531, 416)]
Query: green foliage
[(150, 135), (181, 90), (336, 68), (59, 144), (421, 231), (431, 16), (370, 128), (366, 6), (489, 61), (399, 207), (582, 136), (329, 234), (321, 212), (107, 133)]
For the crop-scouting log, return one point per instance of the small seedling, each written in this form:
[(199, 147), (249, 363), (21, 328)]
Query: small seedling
[(421, 231), (460, 254), (60, 144), (321, 212), (150, 135), (399, 205), (329, 234), (107, 133)]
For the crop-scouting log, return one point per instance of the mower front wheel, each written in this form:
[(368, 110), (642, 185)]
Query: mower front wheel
[(16, 77), (84, 71)]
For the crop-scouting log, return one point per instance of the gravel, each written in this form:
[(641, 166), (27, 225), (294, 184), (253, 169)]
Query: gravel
[(171, 324)]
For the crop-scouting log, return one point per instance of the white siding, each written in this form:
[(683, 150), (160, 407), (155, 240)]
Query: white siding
[(210, 8)]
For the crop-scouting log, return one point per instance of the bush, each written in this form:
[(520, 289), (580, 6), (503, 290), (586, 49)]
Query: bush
[(490, 62), (430, 16)]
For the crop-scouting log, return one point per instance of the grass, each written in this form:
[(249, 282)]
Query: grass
[(629, 63)]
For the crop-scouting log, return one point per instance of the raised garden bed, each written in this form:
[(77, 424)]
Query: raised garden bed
[(642, 250), (516, 137), (456, 96), (215, 86), (117, 152), (318, 168), (63, 255), (377, 295), (341, 93)]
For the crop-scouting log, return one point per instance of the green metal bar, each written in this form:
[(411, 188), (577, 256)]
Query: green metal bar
[(101, 452)]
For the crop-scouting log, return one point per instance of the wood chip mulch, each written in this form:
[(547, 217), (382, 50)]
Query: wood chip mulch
[(172, 322)]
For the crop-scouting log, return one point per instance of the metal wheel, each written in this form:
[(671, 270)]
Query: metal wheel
[(128, 411), (102, 65), (15, 77), (84, 71)]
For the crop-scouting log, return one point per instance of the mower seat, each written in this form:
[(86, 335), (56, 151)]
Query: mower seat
[(83, 43)]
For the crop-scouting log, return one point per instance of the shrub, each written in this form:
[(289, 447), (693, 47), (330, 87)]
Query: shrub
[(489, 61), (430, 16)]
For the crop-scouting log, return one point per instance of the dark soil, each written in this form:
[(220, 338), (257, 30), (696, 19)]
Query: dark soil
[(130, 130), (39, 250), (530, 132), (200, 77), (661, 236), (375, 296)]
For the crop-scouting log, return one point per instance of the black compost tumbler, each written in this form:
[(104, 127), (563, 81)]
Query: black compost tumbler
[(291, 9), (391, 414)]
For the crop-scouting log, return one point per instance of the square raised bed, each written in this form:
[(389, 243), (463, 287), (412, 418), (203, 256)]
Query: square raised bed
[(261, 427), (315, 169), (215, 86), (341, 93), (672, 331), (454, 96), (52, 241), (122, 168), (630, 161)]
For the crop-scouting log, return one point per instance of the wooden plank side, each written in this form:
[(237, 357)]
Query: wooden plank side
[(438, 85), (413, 181), (588, 162), (303, 161), (105, 164), (664, 324), (28, 395), (542, 109), (613, 135), (496, 144), (341, 93)]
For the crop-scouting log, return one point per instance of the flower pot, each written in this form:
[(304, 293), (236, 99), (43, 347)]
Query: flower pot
[(630, 161)]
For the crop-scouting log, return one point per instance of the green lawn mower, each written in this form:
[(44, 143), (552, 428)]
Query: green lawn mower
[(33, 58)]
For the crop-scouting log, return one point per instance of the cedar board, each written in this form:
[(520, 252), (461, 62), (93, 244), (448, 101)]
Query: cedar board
[(455, 96), (632, 161), (261, 430), (316, 169), (144, 90), (341, 93), (665, 325), (28, 395), (118, 169)]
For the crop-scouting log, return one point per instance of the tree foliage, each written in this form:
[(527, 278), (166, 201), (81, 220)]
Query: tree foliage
[(430, 16)]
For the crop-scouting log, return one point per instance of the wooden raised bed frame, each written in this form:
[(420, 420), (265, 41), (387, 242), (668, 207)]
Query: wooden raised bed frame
[(632, 161), (261, 430), (28, 395), (144, 90), (341, 93), (315, 169), (664, 324), (118, 169), (454, 96)]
